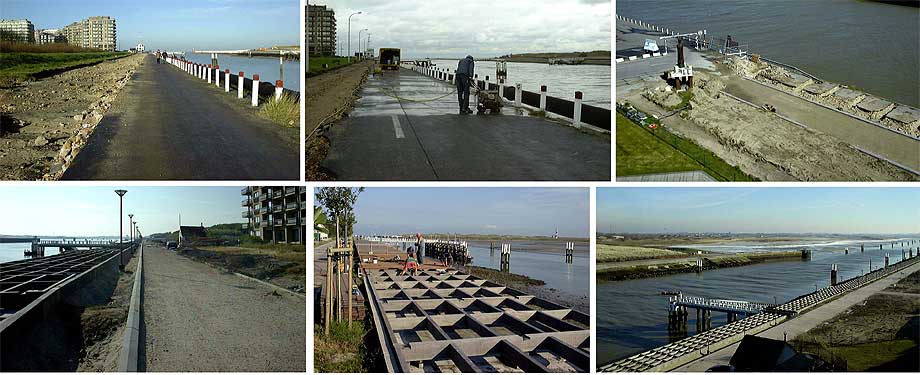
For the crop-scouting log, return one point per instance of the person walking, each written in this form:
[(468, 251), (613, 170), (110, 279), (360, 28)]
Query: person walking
[(420, 247), (464, 73), (158, 56)]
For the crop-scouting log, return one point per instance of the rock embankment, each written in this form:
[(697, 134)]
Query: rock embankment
[(46, 122)]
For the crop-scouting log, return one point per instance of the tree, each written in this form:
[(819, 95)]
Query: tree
[(320, 221), (339, 203)]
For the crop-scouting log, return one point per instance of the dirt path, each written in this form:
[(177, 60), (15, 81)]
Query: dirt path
[(199, 319), (49, 116)]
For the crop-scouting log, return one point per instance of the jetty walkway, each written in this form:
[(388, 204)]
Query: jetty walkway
[(166, 125), (406, 126)]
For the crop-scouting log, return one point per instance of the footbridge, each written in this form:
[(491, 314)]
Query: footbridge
[(684, 351)]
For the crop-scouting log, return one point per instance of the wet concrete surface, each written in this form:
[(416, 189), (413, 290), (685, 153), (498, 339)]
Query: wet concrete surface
[(168, 125), (407, 126)]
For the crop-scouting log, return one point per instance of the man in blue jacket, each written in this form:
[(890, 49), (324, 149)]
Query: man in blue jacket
[(464, 73)]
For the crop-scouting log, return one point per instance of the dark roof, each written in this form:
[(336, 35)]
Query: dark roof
[(759, 354), (188, 232)]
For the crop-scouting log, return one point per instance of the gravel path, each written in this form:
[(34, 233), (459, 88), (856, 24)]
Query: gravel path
[(200, 319)]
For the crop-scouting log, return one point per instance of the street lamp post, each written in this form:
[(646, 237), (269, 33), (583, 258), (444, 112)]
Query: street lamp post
[(121, 194), (360, 51), (131, 227), (349, 35), (367, 43)]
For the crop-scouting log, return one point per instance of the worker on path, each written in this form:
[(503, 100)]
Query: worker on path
[(420, 246), (464, 73)]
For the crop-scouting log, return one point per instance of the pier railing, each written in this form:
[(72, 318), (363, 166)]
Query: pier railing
[(233, 82)]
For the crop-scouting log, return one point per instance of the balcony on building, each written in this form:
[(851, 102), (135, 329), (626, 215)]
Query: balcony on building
[(290, 190), (246, 190)]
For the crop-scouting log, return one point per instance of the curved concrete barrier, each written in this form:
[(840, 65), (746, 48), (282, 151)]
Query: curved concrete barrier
[(128, 358)]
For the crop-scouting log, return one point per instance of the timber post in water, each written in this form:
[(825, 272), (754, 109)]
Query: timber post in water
[(569, 252), (806, 254), (505, 262), (833, 274)]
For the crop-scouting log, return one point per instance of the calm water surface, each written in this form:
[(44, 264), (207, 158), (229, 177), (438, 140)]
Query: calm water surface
[(544, 260), (561, 80), (867, 44)]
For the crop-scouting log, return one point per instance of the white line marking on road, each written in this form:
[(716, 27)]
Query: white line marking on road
[(397, 128)]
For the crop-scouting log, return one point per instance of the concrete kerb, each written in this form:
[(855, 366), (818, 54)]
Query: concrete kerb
[(270, 285), (128, 358)]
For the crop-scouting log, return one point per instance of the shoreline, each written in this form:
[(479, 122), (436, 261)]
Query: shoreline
[(536, 287), (650, 268)]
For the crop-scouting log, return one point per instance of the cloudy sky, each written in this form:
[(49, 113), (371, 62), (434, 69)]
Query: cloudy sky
[(488, 28), (515, 211), (759, 210)]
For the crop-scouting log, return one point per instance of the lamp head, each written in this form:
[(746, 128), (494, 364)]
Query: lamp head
[(120, 192)]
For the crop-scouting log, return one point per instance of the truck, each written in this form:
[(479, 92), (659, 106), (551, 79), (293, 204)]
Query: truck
[(388, 58)]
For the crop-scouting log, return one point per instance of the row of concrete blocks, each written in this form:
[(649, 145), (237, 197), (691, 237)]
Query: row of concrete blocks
[(211, 74), (443, 74), (643, 56), (647, 25)]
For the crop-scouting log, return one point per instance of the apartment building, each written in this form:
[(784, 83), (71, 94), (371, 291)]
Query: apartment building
[(276, 214), (17, 31), (321, 30), (48, 36), (99, 32)]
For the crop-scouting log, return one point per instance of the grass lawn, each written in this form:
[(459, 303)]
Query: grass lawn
[(342, 350), (610, 253), (867, 357), (316, 64), (24, 65), (284, 252), (639, 152)]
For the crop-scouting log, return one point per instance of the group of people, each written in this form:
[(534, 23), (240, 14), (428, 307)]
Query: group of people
[(412, 263), (161, 55)]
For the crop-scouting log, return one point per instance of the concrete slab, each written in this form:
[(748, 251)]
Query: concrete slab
[(847, 94), (406, 126), (904, 114), (873, 104), (820, 88), (694, 176)]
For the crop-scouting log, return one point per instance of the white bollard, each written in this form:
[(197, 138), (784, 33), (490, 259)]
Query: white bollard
[(279, 88), (255, 90), (543, 98), (239, 87), (227, 81), (517, 95), (577, 117), (208, 74), (217, 75)]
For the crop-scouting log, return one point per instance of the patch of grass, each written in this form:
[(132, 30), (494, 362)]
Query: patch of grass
[(334, 62), (18, 66), (865, 357), (610, 253), (685, 97), (640, 152), (341, 351), (505, 278), (283, 111), (660, 151)]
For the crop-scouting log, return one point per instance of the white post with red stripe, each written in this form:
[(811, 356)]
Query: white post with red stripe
[(227, 81), (279, 88), (239, 87), (543, 98), (208, 74), (255, 90), (577, 116), (217, 75)]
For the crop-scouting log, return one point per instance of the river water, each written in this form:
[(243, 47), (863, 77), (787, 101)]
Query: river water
[(870, 45), (543, 260), (561, 80), (266, 67), (632, 315), (14, 251)]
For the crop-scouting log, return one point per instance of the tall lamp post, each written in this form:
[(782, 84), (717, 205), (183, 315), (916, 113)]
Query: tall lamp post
[(349, 35), (136, 232), (361, 51), (131, 226), (367, 43), (121, 194)]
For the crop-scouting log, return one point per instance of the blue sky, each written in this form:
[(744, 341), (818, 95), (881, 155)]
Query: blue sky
[(517, 211), (93, 211), (768, 210), (172, 24)]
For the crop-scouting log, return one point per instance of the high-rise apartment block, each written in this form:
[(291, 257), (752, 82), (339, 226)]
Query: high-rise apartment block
[(321, 30), (99, 32), (277, 214), (17, 31)]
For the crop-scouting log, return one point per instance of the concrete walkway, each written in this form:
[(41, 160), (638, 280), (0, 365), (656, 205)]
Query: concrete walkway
[(384, 138), (167, 125), (692, 176), (802, 323), (200, 319), (897, 147)]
